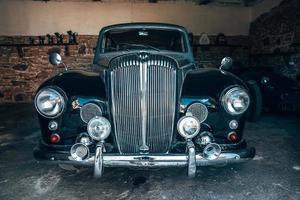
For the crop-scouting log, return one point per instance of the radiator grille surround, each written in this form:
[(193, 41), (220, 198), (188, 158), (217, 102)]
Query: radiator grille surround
[(143, 102)]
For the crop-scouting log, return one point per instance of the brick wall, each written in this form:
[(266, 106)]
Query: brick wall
[(20, 76), (272, 37)]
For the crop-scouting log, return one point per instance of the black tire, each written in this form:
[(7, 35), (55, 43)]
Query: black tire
[(255, 107)]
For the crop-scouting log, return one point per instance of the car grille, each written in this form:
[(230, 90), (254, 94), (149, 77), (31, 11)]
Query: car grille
[(143, 101)]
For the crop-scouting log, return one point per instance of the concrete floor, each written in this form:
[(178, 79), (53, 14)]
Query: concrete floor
[(273, 174)]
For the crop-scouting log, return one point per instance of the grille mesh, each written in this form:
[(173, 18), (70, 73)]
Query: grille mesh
[(160, 101), (198, 110), (89, 111)]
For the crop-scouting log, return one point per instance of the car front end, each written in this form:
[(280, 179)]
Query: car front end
[(146, 107)]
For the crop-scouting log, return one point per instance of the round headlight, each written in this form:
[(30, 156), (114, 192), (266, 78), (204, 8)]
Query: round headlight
[(188, 126), (49, 103), (236, 101), (99, 128)]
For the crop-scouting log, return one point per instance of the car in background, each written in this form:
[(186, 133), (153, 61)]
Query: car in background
[(278, 92)]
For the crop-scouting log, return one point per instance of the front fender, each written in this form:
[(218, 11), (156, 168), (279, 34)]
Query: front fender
[(208, 82), (78, 83), (88, 86), (207, 86)]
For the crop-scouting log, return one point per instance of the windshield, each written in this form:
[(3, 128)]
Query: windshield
[(141, 39)]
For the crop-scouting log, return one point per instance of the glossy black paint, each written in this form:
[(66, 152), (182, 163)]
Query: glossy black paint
[(207, 86), (202, 85), (79, 83), (209, 82)]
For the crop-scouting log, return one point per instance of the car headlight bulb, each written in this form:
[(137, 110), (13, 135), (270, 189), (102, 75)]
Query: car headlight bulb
[(49, 102), (99, 128), (236, 101), (188, 126)]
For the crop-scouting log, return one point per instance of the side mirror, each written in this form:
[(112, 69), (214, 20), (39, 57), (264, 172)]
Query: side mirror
[(226, 63), (55, 59)]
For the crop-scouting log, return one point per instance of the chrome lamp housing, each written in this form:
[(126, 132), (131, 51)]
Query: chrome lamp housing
[(236, 100), (49, 102)]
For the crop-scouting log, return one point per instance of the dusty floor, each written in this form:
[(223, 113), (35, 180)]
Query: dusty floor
[(273, 174)]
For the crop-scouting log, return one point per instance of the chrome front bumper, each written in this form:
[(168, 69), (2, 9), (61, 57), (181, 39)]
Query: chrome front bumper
[(190, 160), (168, 160)]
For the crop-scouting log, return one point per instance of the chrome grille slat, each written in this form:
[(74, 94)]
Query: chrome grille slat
[(127, 86)]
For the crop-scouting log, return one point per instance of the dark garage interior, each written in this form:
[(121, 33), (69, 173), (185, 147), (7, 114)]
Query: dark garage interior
[(167, 103)]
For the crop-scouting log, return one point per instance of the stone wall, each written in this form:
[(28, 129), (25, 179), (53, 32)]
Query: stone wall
[(275, 39), (210, 56)]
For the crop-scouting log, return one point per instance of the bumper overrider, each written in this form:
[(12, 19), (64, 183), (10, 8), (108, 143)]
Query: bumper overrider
[(190, 159)]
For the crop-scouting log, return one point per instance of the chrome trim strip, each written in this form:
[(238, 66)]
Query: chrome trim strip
[(113, 106), (143, 91)]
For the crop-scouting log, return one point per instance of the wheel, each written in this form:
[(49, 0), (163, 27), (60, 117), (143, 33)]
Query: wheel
[(255, 107)]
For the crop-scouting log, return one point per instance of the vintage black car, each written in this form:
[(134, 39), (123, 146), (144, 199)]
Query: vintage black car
[(146, 105)]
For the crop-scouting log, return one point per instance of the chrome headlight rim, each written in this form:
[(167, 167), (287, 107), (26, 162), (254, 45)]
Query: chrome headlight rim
[(226, 93), (58, 91), (105, 122), (180, 128)]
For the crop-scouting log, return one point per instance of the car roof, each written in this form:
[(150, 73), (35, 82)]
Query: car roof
[(145, 25)]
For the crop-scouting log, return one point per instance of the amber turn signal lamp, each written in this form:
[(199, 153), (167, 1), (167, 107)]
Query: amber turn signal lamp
[(54, 138), (232, 136)]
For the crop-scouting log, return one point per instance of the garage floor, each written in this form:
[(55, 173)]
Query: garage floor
[(273, 174)]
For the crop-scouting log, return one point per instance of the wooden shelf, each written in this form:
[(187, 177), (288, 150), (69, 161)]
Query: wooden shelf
[(21, 46)]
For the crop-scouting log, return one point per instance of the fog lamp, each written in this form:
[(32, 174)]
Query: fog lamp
[(79, 152), (212, 151), (205, 138), (188, 126), (84, 138), (99, 128)]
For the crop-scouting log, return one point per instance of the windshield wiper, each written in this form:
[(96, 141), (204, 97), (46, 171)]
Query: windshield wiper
[(140, 45)]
